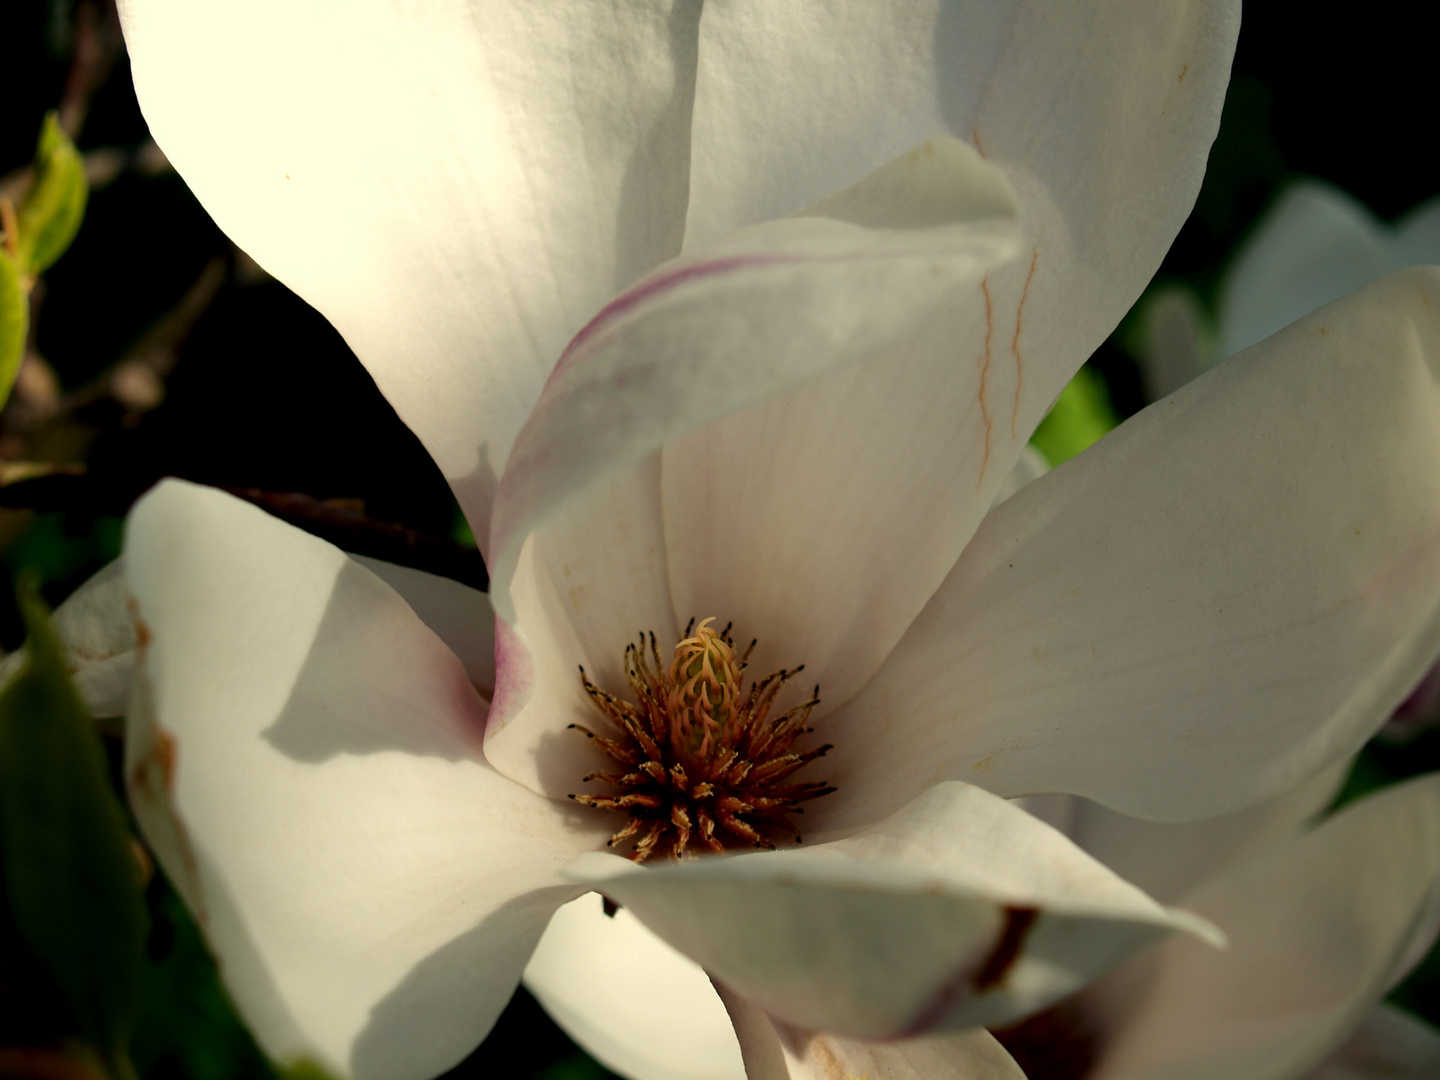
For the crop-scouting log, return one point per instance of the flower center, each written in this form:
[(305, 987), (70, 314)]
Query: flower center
[(705, 766)]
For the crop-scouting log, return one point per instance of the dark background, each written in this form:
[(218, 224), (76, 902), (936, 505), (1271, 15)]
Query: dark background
[(260, 393)]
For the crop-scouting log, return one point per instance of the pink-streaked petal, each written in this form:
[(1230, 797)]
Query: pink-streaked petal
[(456, 187), (751, 317), (1224, 596), (303, 754), (759, 314), (960, 910), (591, 580), (632, 1001), (774, 1051), (1318, 932), (1389, 1045), (98, 635)]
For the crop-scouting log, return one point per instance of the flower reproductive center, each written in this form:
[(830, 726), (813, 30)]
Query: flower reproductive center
[(703, 765)]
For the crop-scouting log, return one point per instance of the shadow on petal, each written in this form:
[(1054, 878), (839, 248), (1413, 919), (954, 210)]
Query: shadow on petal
[(318, 721), (442, 1003)]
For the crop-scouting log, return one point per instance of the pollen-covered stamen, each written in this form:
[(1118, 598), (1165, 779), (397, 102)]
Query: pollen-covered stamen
[(705, 765)]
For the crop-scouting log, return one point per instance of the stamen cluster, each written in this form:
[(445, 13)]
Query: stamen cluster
[(705, 766)]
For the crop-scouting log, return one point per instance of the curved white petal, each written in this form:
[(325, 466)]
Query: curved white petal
[(1030, 465), (1417, 235), (1168, 860), (960, 910), (459, 615), (1228, 593), (98, 635), (1317, 933), (1389, 1045), (1100, 113), (1175, 340), (303, 754), (636, 1004), (774, 1051), (749, 319), (456, 187), (1314, 246)]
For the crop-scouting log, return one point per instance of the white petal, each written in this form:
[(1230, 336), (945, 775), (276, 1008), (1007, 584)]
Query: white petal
[(588, 583), (1317, 935), (875, 476), (1175, 342), (960, 910), (1316, 245), (459, 615), (1389, 1045), (1030, 465), (1168, 860), (774, 1051), (1100, 113), (1225, 595), (96, 631), (1417, 236), (750, 317), (457, 187), (303, 755), (636, 1004)]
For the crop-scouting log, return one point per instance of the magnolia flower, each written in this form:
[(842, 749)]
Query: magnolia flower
[(792, 423)]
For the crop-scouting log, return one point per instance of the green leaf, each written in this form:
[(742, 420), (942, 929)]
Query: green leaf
[(14, 323), (303, 1069), (1080, 416), (70, 871), (50, 215)]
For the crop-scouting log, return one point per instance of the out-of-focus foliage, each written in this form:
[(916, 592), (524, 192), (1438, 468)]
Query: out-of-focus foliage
[(36, 235), (50, 216), (14, 321), (1080, 416), (72, 879)]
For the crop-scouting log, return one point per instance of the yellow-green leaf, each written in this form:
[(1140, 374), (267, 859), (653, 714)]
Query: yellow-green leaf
[(50, 215), (1080, 416), (14, 323), (71, 877)]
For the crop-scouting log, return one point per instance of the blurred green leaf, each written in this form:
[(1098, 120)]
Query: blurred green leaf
[(51, 213), (185, 1025), (304, 1069), (69, 868), (1079, 417), (14, 323)]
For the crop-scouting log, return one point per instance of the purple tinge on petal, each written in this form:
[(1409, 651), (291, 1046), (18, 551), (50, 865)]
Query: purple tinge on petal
[(649, 287), (514, 676), (1417, 713)]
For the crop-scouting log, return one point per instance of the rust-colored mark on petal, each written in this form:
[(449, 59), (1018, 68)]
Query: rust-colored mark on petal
[(1018, 921), (975, 137), (142, 632), (969, 980), (157, 763), (984, 378), (1015, 343), (824, 1061), (1183, 69)]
